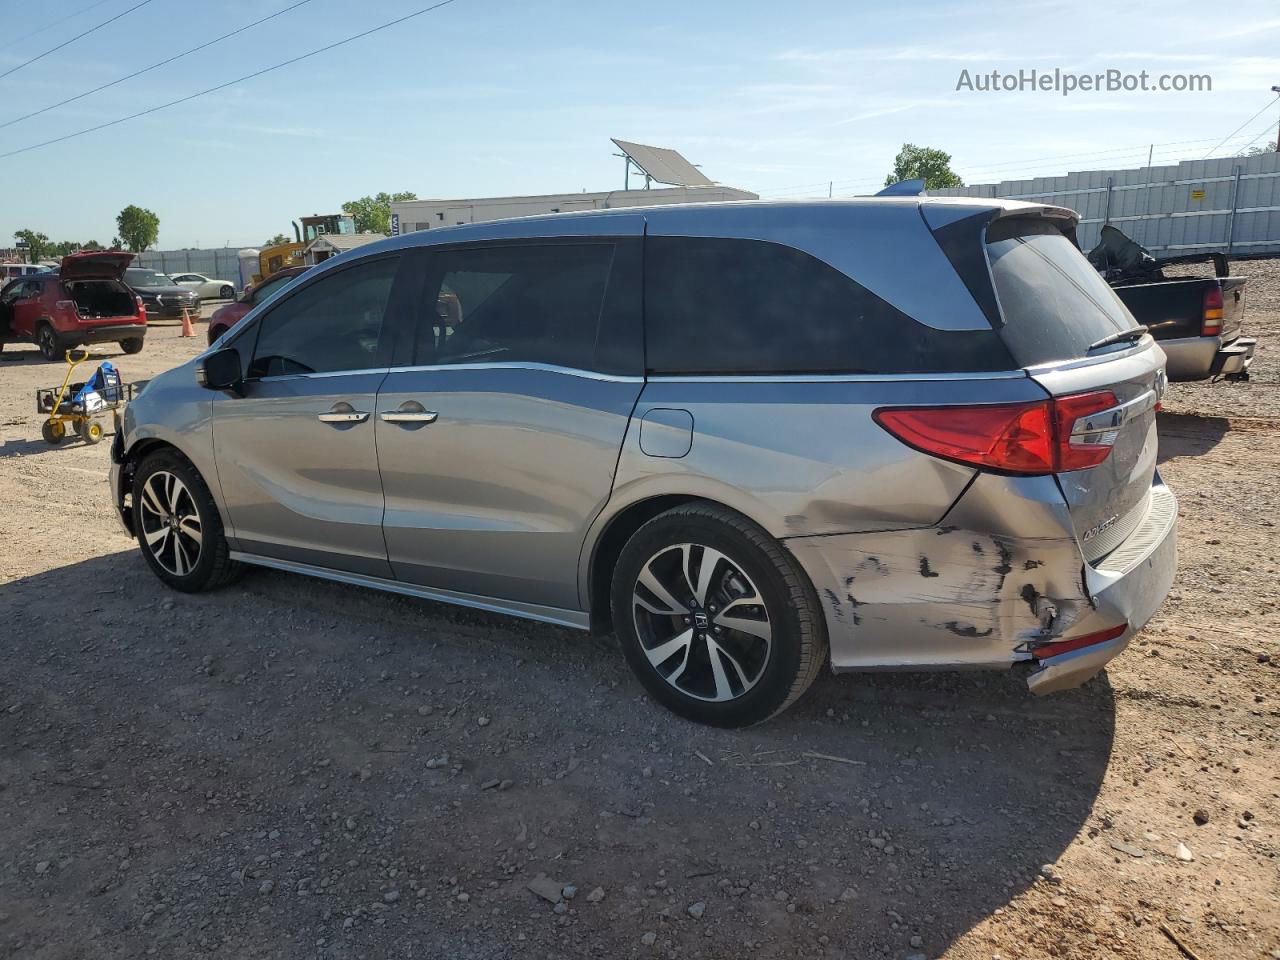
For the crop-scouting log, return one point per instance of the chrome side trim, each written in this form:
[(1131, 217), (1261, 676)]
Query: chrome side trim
[(840, 377), (317, 376), (575, 619), (519, 365)]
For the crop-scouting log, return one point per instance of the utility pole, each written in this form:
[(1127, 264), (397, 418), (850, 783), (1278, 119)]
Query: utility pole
[(1277, 90)]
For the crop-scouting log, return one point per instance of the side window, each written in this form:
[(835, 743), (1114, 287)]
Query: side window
[(535, 303), (728, 306), (333, 324)]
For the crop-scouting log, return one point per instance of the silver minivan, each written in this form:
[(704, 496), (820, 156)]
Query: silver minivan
[(749, 439)]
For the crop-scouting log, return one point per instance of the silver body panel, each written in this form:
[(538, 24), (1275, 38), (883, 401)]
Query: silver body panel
[(497, 490)]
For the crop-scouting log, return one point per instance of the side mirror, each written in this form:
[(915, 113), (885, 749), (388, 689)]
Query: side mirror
[(220, 370)]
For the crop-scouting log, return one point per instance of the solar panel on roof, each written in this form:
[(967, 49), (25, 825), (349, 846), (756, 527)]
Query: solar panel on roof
[(664, 165)]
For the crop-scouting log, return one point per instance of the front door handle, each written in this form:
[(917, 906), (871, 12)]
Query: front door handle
[(343, 413), (410, 412)]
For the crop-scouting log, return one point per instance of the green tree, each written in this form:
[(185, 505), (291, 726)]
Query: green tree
[(92, 245), (1255, 151), (139, 228), (373, 214), (934, 166), (275, 241), (38, 246)]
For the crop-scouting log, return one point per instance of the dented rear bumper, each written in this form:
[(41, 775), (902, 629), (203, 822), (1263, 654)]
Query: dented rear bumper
[(997, 580)]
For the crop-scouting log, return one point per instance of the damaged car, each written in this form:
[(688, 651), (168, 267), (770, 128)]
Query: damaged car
[(752, 440)]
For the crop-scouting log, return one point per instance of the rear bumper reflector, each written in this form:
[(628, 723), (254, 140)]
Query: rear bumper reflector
[(1076, 643)]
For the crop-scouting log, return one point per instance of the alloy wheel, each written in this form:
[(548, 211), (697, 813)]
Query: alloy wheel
[(171, 526), (702, 623)]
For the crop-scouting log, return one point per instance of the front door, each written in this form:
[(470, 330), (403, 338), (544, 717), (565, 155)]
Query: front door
[(297, 464), (24, 307), (498, 443)]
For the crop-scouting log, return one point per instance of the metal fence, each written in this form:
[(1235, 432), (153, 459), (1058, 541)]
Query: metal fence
[(220, 264), (1231, 203)]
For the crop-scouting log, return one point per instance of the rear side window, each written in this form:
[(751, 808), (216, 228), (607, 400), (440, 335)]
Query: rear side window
[(728, 306), (331, 325), (1053, 302), (554, 303)]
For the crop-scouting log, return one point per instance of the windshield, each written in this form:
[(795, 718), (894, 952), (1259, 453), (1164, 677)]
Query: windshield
[(1053, 302), (137, 277)]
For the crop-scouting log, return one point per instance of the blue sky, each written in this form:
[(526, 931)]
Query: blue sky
[(490, 98)]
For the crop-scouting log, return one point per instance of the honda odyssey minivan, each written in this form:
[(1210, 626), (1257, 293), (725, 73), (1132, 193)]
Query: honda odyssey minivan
[(750, 439)]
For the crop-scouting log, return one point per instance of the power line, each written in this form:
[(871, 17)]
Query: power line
[(138, 73), (230, 83), (1265, 130), (50, 26), (73, 39), (1268, 106)]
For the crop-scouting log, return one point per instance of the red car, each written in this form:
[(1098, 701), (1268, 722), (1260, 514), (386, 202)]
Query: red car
[(224, 318), (85, 301)]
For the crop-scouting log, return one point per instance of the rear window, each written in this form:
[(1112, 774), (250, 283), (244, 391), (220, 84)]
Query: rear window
[(1053, 302), (731, 306), (137, 277)]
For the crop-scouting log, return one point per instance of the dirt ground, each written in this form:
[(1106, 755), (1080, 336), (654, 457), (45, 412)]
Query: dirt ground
[(288, 768)]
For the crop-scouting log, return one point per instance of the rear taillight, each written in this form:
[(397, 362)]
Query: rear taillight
[(1030, 439), (1211, 319)]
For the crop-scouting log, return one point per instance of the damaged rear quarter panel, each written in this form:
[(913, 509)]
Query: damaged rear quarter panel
[(1002, 568)]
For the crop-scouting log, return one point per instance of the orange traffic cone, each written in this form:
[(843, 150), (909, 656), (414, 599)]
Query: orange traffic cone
[(187, 329)]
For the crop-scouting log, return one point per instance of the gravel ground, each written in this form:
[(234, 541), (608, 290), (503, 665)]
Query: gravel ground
[(287, 768)]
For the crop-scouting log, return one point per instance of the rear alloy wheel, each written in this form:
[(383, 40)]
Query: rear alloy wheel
[(226, 293), (177, 525), (47, 342), (132, 345), (716, 618)]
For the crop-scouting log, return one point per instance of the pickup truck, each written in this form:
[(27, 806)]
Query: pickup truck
[(1198, 321)]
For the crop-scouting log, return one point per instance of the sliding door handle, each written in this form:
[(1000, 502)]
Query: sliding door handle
[(410, 416)]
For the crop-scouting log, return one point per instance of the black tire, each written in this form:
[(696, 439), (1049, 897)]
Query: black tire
[(797, 647), (132, 345), (90, 431), (53, 431), (48, 343), (227, 293), (213, 566)]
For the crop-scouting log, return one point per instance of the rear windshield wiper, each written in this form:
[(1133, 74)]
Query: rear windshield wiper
[(1133, 333)]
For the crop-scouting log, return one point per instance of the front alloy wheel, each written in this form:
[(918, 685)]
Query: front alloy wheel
[(169, 523), (701, 622)]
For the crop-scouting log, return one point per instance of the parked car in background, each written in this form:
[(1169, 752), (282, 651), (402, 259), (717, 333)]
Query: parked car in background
[(162, 298), (206, 288), (83, 302), (751, 439), (226, 317), (11, 271), (1198, 321)]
